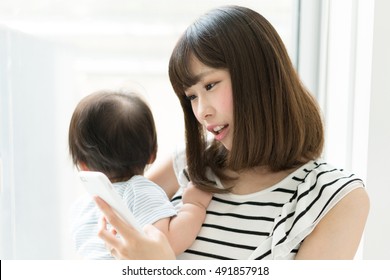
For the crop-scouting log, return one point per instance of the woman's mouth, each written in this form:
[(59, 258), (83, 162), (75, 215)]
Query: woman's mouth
[(219, 131)]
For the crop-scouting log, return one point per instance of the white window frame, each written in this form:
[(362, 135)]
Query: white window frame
[(343, 59)]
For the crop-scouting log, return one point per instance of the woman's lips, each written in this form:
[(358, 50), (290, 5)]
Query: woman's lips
[(219, 131)]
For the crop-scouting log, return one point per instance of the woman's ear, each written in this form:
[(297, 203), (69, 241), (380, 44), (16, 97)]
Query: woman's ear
[(83, 166)]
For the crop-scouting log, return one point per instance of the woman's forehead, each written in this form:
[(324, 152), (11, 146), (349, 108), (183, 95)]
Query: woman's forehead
[(198, 69)]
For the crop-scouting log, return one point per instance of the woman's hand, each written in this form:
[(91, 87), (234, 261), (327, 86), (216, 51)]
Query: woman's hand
[(132, 244)]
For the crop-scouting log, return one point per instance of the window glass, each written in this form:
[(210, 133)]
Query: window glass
[(56, 52), (128, 43)]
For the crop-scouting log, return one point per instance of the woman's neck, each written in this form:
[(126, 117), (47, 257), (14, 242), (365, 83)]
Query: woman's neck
[(256, 179)]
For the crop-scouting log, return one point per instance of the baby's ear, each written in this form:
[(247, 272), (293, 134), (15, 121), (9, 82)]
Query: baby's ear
[(152, 158), (83, 166)]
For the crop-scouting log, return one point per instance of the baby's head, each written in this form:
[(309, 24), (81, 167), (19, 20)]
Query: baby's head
[(114, 133)]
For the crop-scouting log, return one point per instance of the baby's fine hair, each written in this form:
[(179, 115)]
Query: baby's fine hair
[(114, 133), (277, 122)]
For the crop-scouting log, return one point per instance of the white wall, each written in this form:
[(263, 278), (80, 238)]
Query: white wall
[(33, 151), (378, 228)]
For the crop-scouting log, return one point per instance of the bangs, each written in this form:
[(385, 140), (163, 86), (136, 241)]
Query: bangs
[(202, 42), (180, 73)]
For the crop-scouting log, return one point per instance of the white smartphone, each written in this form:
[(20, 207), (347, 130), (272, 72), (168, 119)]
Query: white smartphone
[(97, 184)]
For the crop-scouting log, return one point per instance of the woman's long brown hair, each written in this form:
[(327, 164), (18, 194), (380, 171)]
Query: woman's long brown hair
[(277, 122)]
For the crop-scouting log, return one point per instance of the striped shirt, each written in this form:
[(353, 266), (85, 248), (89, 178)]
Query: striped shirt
[(269, 224), (147, 201)]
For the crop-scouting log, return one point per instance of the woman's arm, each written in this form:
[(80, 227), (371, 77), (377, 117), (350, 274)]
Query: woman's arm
[(338, 234), (163, 174)]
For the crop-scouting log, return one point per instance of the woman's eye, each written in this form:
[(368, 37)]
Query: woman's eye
[(209, 86), (190, 97)]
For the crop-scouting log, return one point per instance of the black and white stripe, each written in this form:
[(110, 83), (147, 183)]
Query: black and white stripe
[(271, 223)]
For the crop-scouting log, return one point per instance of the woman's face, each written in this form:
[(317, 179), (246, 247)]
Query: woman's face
[(212, 101)]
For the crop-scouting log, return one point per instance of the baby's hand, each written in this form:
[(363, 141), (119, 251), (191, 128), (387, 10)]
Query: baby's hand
[(193, 195)]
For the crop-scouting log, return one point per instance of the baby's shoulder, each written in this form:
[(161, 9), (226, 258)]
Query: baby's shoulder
[(139, 186)]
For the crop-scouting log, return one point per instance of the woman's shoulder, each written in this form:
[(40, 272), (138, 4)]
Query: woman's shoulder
[(319, 173), (180, 165), (322, 185), (319, 187)]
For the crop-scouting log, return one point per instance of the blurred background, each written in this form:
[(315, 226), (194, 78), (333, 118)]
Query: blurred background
[(54, 52)]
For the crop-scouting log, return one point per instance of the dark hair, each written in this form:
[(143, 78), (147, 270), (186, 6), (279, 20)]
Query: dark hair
[(277, 122), (114, 133)]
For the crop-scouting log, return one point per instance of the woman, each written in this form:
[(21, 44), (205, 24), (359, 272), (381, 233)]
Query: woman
[(274, 197)]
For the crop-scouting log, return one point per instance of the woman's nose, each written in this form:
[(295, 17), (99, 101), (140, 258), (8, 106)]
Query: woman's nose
[(205, 110)]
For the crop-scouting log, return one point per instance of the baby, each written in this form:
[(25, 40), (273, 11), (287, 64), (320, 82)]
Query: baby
[(114, 133)]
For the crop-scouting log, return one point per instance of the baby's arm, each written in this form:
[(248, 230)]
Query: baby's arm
[(183, 228)]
